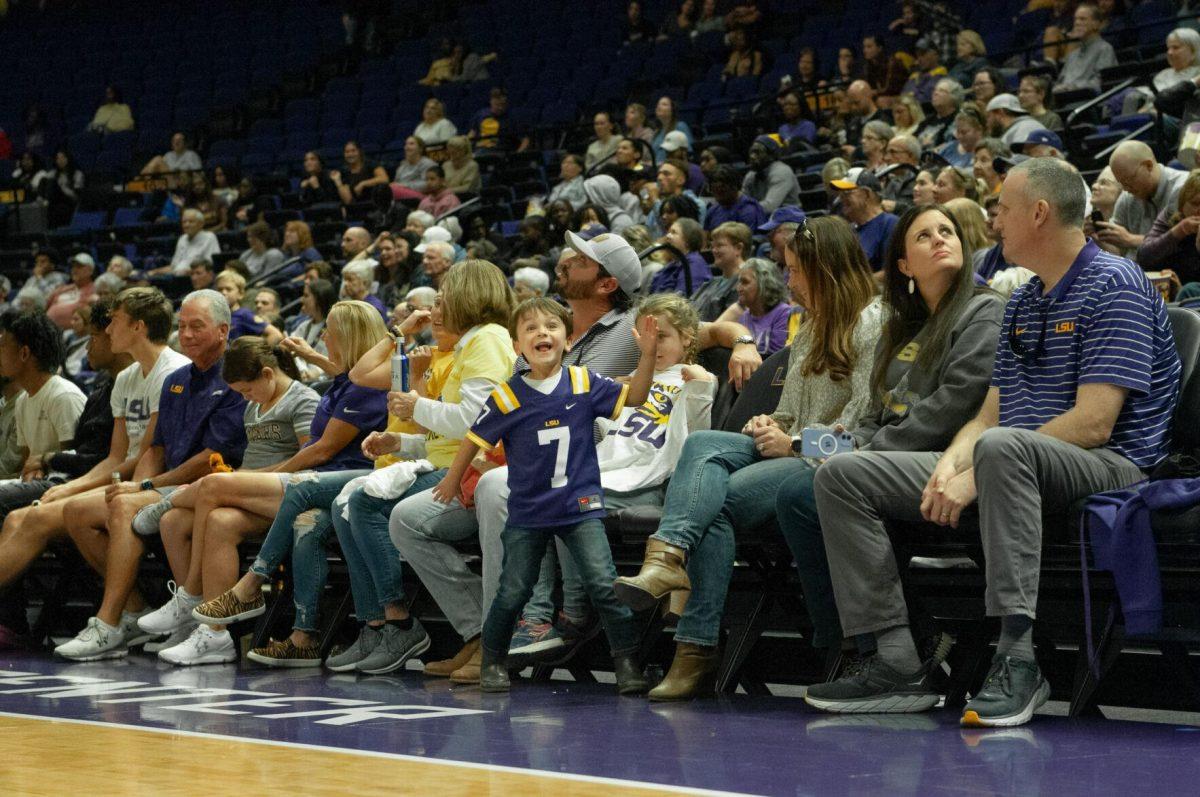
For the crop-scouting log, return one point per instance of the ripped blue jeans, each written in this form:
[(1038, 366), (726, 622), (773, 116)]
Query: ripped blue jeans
[(302, 527)]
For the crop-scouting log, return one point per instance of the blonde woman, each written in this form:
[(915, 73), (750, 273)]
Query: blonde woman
[(907, 114)]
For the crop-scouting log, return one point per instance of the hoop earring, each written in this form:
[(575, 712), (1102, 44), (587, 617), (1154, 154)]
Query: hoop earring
[(912, 286)]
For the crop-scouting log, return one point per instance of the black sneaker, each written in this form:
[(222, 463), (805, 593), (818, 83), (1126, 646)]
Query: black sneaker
[(1012, 691), (874, 688)]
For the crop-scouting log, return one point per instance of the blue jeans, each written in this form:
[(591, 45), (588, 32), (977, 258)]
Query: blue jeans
[(524, 549), (305, 537), (371, 559), (796, 511), (720, 481)]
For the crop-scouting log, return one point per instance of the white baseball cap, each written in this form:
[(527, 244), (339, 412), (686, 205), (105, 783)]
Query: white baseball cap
[(674, 140), (614, 254), (434, 233)]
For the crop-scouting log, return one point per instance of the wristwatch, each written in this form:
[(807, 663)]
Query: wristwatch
[(146, 484), (797, 445), (747, 339)]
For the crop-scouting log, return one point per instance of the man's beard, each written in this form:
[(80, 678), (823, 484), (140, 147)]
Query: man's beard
[(569, 289)]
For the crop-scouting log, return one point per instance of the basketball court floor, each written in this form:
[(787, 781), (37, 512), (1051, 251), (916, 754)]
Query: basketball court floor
[(136, 727)]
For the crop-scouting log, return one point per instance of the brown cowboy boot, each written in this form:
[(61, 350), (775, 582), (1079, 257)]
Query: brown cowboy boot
[(662, 572), (693, 672), (446, 667)]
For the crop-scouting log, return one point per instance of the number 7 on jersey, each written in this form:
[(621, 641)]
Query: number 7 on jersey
[(561, 439)]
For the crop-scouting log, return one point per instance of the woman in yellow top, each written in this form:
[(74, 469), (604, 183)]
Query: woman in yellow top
[(113, 116)]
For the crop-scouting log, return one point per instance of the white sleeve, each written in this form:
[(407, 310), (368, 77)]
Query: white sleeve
[(698, 400), (453, 420), (65, 412)]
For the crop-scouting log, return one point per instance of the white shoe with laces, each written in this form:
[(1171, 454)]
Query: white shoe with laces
[(172, 615), (203, 646), (163, 642), (98, 640)]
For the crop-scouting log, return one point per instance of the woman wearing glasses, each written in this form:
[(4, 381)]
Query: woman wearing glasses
[(723, 476)]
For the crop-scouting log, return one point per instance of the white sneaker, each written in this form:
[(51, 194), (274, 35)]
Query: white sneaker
[(172, 615), (131, 631), (162, 643), (203, 646), (98, 640)]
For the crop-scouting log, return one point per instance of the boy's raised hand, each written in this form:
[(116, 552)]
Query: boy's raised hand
[(646, 337), (447, 489)]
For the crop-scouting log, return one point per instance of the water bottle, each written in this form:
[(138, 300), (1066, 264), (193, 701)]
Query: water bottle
[(399, 368)]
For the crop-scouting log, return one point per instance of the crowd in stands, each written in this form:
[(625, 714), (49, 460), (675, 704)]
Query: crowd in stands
[(944, 272)]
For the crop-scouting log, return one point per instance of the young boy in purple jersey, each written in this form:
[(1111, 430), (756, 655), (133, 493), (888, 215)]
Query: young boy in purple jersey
[(544, 417)]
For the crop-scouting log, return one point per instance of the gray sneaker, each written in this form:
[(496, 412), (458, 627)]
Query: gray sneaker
[(145, 522), (395, 647), (361, 648), (1012, 691)]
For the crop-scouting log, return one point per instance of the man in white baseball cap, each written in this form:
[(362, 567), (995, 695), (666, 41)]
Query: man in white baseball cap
[(434, 233), (1008, 121)]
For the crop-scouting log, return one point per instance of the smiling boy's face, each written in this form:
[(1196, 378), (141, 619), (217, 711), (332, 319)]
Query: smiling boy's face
[(541, 339)]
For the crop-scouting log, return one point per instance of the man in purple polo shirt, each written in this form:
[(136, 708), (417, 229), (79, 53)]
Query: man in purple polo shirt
[(198, 416)]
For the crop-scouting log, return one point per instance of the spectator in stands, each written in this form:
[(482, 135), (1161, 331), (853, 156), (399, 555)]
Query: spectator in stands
[(298, 242), (120, 265), (316, 300), (195, 243), (985, 151), (317, 186), (358, 176), (604, 192), (955, 325), (987, 84), (605, 145), (570, 184), (762, 306), (847, 67), (672, 182), (1042, 144), (223, 187), (873, 143), (668, 121), (729, 203), (434, 129), (357, 278), (906, 28), (66, 298), (461, 170), (861, 99), (347, 414), (438, 199), (436, 259), (200, 196), (1149, 189), (860, 192), (108, 285), (1081, 69), (28, 167), (711, 157), (973, 227), (483, 243), (779, 229), (730, 244), (972, 57), (808, 76), (1105, 193), (31, 353), (927, 73), (113, 115), (198, 416), (709, 20), (266, 304), (1032, 96), (178, 159), (394, 271), (635, 26), (1060, 25), (680, 23), (59, 185), (922, 188), (635, 123), (953, 182), (356, 243), (687, 236), (1067, 415), (261, 255), (676, 145), (409, 179), (1008, 121), (628, 154), (770, 182), (718, 484), (529, 283), (886, 73), (947, 99), (492, 129), (907, 115), (202, 274), (794, 127), (744, 58), (243, 320), (1171, 243), (968, 131), (902, 157)]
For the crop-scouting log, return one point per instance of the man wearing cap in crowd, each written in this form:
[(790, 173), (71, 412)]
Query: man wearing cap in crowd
[(927, 73), (672, 181), (779, 229), (863, 208), (598, 282), (1042, 144), (1008, 121), (771, 182), (677, 147), (66, 299)]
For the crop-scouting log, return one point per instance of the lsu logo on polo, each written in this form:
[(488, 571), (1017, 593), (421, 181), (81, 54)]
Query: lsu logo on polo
[(176, 389), (1064, 327)]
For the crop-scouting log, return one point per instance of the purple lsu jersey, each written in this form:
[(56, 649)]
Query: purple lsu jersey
[(553, 472)]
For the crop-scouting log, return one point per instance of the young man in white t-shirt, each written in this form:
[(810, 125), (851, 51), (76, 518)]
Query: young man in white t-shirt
[(31, 351), (141, 323)]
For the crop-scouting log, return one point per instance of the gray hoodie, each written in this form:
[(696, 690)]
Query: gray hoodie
[(603, 191)]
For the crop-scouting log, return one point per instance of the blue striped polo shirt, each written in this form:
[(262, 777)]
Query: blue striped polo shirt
[(1102, 323)]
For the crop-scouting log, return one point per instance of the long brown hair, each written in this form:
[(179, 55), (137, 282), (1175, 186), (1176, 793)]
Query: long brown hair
[(840, 286), (247, 356)]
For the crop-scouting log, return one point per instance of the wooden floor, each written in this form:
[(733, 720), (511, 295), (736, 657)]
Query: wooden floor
[(54, 757)]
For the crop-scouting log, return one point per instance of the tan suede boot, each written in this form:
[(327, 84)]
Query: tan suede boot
[(446, 667), (662, 572), (693, 672), (469, 672), (676, 603)]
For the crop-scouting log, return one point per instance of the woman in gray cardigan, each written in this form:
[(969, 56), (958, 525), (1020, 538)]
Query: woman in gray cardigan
[(933, 365)]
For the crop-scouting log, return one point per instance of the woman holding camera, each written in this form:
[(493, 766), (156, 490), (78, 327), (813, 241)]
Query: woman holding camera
[(726, 480)]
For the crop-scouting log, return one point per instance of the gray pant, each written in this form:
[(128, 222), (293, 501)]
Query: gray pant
[(1016, 472)]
